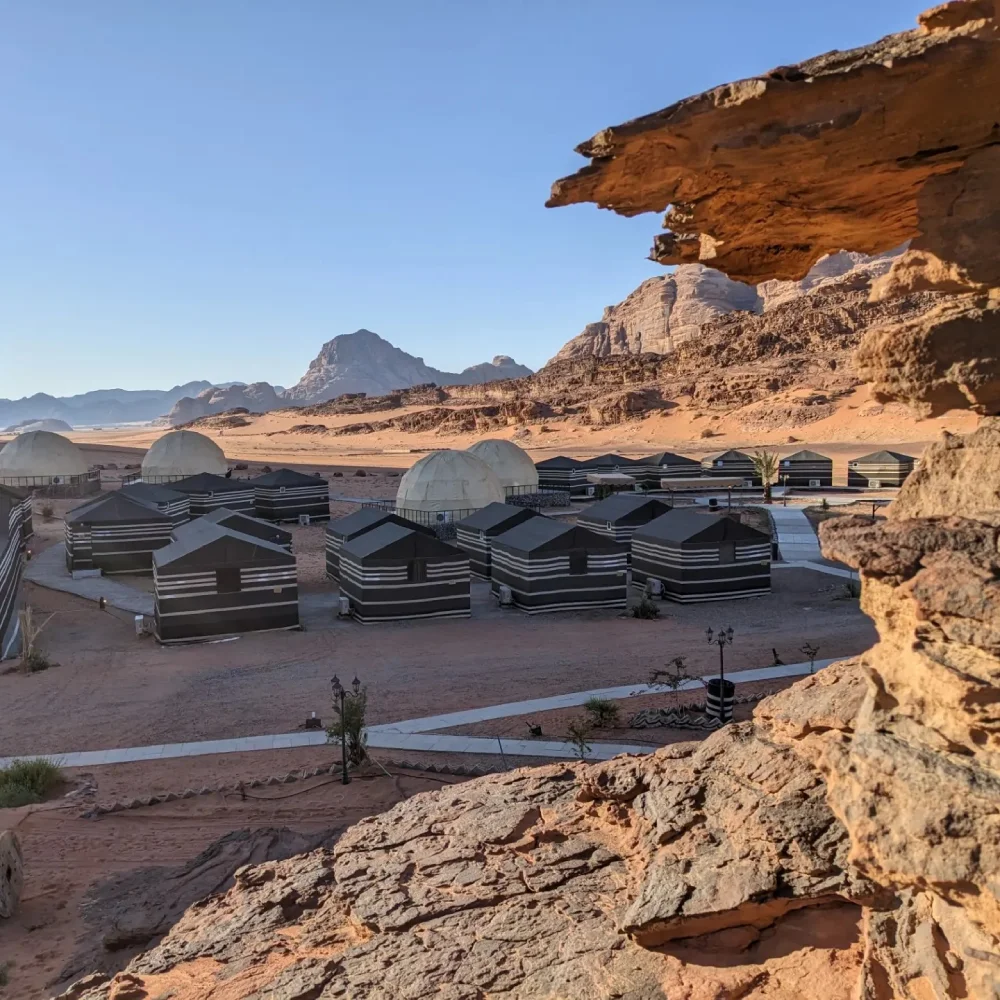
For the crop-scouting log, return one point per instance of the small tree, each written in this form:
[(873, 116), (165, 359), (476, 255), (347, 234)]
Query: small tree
[(765, 466), (32, 658), (352, 723), (602, 711), (577, 734), (673, 676)]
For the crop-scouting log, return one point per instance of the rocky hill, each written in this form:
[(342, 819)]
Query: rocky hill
[(58, 426), (667, 311), (260, 397), (365, 362)]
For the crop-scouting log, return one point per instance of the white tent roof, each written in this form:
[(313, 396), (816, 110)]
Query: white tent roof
[(511, 464), (449, 480), (183, 453), (41, 453)]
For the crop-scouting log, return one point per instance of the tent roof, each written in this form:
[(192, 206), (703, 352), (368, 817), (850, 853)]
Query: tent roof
[(559, 462), (115, 506), (540, 534), (219, 546), (397, 541), (207, 482), (610, 459), (885, 456), (732, 456), (686, 525), (151, 492), (511, 464), (806, 456), (367, 518), (448, 480), (288, 477), (623, 505), (41, 453), (497, 515), (668, 458), (243, 523)]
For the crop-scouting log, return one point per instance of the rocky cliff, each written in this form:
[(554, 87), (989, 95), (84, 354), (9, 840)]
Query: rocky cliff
[(665, 312), (742, 866), (259, 397), (365, 362)]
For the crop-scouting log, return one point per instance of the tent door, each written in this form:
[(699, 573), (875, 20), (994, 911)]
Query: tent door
[(727, 552), (416, 571), (577, 562), (227, 581)]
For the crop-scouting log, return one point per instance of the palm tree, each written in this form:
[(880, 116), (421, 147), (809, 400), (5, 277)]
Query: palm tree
[(765, 466)]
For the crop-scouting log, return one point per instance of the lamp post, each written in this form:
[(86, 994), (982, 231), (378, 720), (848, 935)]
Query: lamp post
[(339, 696), (810, 650), (722, 638)]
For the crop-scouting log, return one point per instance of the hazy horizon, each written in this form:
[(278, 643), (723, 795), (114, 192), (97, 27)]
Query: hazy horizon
[(213, 191)]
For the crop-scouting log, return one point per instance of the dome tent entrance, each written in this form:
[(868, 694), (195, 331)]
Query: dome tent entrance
[(447, 485), (181, 454)]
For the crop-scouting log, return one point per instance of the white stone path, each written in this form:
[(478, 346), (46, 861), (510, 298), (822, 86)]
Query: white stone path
[(416, 734)]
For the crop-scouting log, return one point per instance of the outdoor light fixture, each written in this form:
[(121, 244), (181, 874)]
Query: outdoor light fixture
[(339, 696)]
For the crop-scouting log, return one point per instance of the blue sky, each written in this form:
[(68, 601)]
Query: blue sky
[(213, 188)]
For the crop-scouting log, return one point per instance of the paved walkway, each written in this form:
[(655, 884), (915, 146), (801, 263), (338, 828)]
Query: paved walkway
[(418, 734), (794, 533), (48, 569)]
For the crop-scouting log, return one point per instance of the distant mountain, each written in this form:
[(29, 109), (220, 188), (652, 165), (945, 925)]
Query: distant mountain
[(58, 426), (259, 397), (365, 362), (101, 406)]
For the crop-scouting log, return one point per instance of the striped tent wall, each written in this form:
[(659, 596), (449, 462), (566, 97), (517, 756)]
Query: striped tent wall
[(476, 545), (11, 575), (562, 474), (350, 526), (474, 535), (305, 495), (567, 581), (16, 513), (178, 510), (435, 587), (881, 469), (733, 464), (203, 500), (693, 572), (191, 606), (666, 466), (623, 524), (122, 547), (804, 469)]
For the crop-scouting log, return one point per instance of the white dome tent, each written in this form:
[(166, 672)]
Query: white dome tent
[(41, 458), (511, 464), (180, 454), (449, 483)]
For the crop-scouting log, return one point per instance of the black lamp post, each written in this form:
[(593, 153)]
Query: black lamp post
[(722, 638), (810, 650), (340, 695)]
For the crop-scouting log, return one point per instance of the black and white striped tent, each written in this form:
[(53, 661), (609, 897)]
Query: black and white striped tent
[(562, 473), (475, 533), (395, 572), (115, 533), (206, 492), (806, 468), (618, 516), (344, 528), (11, 574), (698, 556), (287, 495), (15, 505), (881, 468), (553, 566), (667, 465), (177, 506), (732, 465), (215, 581), (245, 525)]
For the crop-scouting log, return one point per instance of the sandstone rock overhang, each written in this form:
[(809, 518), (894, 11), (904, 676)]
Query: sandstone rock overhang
[(860, 150)]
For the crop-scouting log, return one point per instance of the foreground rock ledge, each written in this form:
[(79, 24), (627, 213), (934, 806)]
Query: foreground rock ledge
[(702, 867)]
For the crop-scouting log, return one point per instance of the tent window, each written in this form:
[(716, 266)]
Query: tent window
[(227, 581), (416, 571), (727, 552), (281, 489), (578, 563)]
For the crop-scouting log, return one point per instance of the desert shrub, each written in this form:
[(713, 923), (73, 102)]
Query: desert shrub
[(338, 475), (852, 591), (4, 978), (673, 675), (578, 734), (360, 472), (27, 781), (47, 511), (352, 723), (602, 711), (824, 504), (645, 609), (707, 432), (265, 469)]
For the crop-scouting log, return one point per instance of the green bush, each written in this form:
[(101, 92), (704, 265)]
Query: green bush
[(353, 724), (27, 781), (645, 609), (603, 713), (578, 735)]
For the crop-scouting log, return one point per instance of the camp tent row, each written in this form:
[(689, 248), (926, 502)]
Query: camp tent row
[(802, 469)]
